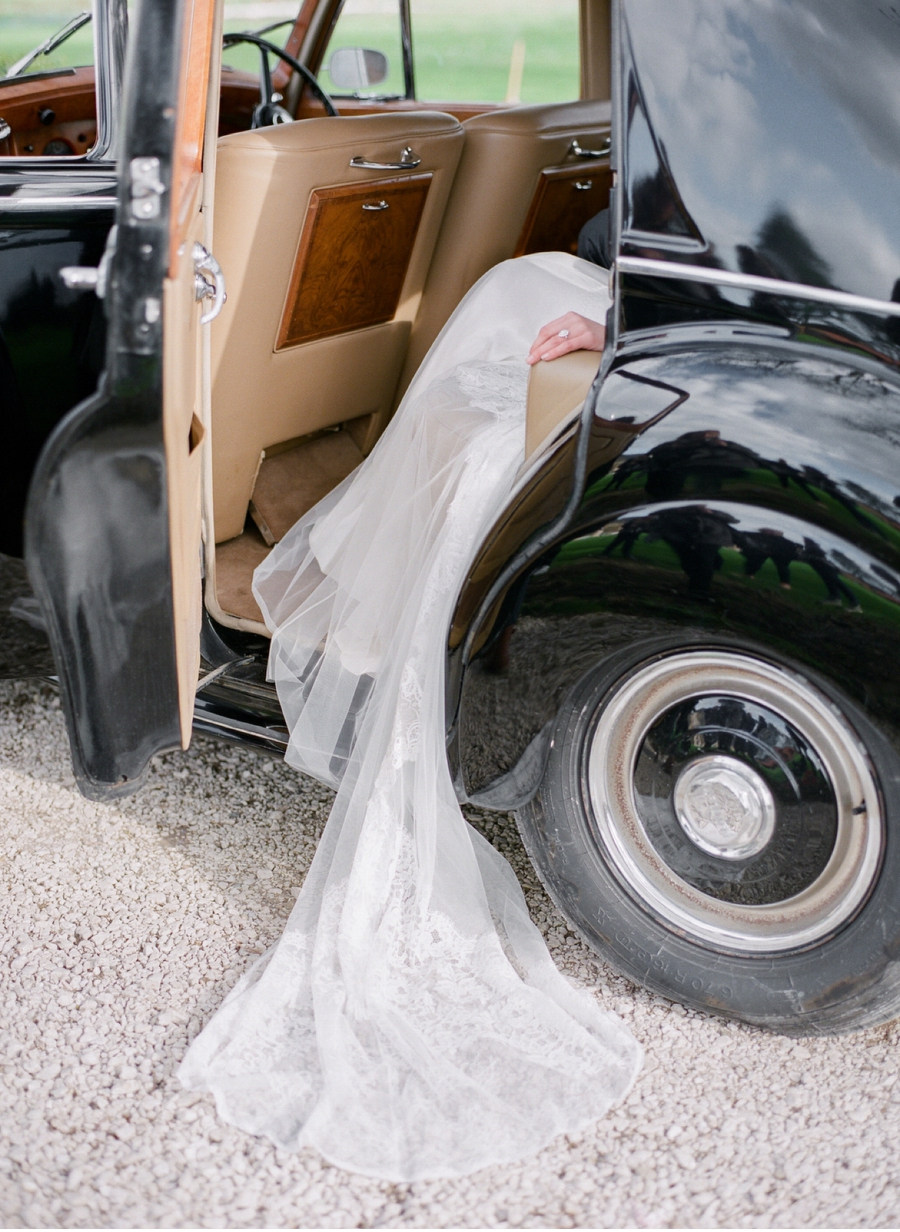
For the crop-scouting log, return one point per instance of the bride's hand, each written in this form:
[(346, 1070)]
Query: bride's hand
[(583, 335)]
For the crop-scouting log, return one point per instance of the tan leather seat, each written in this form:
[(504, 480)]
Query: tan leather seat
[(556, 393), (285, 361), (494, 191)]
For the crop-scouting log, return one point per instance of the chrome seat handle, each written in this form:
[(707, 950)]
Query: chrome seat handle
[(408, 162), (576, 150), (205, 263)]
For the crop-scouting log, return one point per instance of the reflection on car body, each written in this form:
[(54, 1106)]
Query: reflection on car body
[(676, 653)]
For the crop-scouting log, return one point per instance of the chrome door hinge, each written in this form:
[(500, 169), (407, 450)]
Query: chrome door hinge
[(146, 188)]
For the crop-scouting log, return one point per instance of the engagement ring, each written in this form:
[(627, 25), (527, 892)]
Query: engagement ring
[(563, 333)]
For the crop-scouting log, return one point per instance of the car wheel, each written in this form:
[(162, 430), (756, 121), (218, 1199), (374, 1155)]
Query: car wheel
[(723, 828)]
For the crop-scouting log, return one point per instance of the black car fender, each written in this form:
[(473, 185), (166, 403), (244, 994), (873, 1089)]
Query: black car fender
[(718, 524)]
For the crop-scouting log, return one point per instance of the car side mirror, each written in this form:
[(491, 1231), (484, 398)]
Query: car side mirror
[(357, 68)]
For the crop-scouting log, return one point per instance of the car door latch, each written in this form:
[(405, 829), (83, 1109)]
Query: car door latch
[(206, 264)]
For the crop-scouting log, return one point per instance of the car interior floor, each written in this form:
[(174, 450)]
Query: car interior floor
[(292, 477)]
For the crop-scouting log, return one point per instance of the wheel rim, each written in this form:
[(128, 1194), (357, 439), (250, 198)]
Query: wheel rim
[(734, 800)]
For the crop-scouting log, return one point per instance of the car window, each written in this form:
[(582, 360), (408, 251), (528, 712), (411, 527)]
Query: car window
[(48, 98), (273, 21), (495, 51), (26, 24), (365, 25)]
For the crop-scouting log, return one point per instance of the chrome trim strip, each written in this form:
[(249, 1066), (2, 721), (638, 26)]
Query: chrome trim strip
[(217, 672), (667, 243), (110, 32), (12, 205), (752, 282), (215, 724)]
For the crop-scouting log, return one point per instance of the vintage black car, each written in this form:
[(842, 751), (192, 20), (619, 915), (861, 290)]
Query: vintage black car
[(677, 654)]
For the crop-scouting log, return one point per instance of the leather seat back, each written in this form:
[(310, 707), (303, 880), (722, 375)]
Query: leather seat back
[(494, 195), (324, 265)]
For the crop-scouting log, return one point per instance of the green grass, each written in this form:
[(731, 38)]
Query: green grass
[(461, 48), (244, 56), (462, 52), (25, 23), (20, 34), (807, 588)]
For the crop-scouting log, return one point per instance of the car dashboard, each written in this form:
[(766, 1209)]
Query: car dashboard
[(49, 114)]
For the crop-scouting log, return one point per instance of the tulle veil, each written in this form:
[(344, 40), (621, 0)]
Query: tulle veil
[(410, 1022)]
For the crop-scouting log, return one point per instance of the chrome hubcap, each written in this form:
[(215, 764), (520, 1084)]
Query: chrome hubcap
[(724, 807), (734, 801)]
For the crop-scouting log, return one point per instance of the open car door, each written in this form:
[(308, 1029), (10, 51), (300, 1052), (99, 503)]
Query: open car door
[(113, 519)]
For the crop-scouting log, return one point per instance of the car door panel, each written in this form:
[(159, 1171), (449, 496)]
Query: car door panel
[(112, 527), (183, 435), (266, 183)]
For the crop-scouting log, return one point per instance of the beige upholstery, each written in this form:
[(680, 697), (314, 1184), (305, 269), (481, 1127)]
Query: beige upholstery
[(291, 481), (556, 392), (504, 155), (264, 179), (235, 563)]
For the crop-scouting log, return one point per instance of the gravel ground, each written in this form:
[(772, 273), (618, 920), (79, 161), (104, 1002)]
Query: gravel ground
[(124, 926)]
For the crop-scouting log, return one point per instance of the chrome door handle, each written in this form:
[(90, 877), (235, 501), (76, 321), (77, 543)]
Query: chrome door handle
[(583, 185), (408, 162), (205, 263), (81, 278), (375, 205), (576, 150), (5, 130), (91, 277)]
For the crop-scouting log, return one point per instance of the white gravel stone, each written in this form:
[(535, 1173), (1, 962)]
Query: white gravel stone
[(124, 926)]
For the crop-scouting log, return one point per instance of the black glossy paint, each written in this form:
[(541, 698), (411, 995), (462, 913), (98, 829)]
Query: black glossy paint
[(761, 510), (805, 806), (764, 510), (97, 536), (760, 138), (53, 212), (52, 344)]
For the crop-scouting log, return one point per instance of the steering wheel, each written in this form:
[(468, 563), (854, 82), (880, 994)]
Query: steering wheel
[(268, 111)]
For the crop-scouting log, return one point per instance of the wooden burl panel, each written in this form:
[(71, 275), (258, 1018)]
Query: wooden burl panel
[(351, 262), (560, 208)]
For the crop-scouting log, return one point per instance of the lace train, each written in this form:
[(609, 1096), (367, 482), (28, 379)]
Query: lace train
[(410, 1022)]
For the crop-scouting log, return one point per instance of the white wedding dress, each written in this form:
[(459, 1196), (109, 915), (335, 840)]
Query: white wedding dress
[(410, 1023)]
